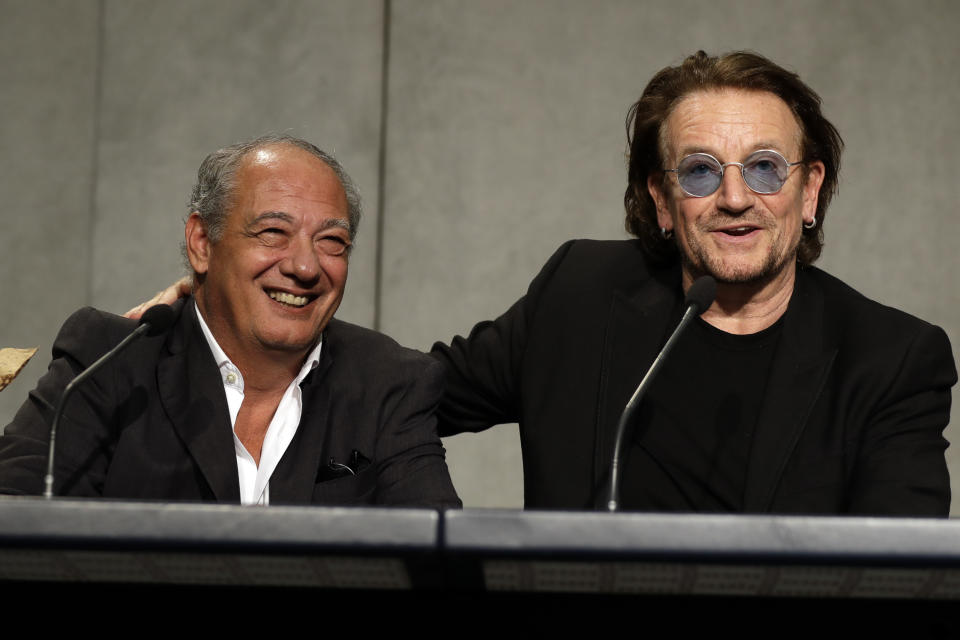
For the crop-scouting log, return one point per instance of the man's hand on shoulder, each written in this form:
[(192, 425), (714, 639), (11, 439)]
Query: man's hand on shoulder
[(179, 289)]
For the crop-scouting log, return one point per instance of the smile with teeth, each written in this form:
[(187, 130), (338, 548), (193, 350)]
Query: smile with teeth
[(289, 298)]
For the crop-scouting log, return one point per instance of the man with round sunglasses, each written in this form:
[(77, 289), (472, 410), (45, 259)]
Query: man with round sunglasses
[(792, 393)]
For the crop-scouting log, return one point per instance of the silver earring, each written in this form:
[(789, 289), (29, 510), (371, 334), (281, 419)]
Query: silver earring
[(811, 224), (666, 233)]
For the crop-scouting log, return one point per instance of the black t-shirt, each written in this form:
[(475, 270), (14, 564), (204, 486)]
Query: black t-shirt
[(693, 430)]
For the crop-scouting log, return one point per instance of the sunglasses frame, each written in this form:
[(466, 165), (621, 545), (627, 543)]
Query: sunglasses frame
[(724, 165)]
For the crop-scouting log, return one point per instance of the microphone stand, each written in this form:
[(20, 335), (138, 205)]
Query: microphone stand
[(699, 298)]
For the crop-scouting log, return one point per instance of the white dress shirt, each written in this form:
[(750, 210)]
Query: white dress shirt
[(255, 480)]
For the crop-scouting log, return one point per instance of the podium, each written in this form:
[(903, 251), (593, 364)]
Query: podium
[(476, 565)]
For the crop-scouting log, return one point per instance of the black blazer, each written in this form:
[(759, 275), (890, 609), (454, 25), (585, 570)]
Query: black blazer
[(155, 425), (852, 421)]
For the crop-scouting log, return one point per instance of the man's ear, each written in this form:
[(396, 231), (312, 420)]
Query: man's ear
[(198, 243), (811, 190), (656, 189)]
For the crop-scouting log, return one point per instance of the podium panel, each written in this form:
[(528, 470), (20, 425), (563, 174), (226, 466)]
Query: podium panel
[(705, 555), (65, 540)]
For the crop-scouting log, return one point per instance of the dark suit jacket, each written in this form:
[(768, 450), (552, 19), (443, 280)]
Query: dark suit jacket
[(154, 424), (852, 421)]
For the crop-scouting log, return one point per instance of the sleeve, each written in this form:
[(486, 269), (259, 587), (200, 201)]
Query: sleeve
[(900, 467), (483, 370), (82, 435), (412, 469)]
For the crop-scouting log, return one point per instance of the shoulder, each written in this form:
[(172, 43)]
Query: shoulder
[(90, 331), (874, 332), (601, 264), (847, 307), (599, 256), (91, 318), (370, 352)]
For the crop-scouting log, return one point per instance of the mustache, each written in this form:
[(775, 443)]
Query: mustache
[(726, 221)]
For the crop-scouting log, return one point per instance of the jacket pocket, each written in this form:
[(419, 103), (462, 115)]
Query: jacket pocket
[(357, 489)]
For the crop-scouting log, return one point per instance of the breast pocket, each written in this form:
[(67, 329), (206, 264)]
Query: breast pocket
[(356, 489)]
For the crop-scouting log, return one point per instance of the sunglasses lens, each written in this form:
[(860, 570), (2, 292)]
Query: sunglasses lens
[(699, 174), (765, 171)]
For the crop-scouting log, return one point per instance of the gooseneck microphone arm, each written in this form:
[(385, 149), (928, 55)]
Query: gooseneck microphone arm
[(699, 298), (155, 320)]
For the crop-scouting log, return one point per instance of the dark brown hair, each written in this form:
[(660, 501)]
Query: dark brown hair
[(736, 70)]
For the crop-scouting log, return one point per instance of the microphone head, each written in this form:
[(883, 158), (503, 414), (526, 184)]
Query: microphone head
[(701, 293), (159, 317)]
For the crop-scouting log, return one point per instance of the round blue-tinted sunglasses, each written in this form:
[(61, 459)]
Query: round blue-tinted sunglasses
[(764, 171)]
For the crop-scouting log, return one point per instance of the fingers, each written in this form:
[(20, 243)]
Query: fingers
[(138, 310), (183, 287), (171, 294), (135, 313)]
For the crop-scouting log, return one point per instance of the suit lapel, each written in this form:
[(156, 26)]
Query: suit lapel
[(191, 393), (800, 366), (637, 326), (294, 478)]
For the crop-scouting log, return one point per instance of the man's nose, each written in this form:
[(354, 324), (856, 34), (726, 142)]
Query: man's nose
[(733, 195), (302, 261)]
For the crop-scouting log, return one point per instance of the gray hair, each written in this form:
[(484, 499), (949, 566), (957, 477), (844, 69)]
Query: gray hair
[(216, 180)]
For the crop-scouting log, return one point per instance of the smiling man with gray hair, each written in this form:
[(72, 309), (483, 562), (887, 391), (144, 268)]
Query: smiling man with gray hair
[(256, 394)]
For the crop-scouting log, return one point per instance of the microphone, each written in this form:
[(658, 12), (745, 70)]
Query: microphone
[(699, 297), (160, 317), (701, 294), (155, 321)]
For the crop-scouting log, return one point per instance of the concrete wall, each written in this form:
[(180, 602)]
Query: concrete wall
[(503, 137)]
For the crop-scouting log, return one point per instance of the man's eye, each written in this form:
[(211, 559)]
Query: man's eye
[(699, 169), (333, 245), (765, 166), (271, 236)]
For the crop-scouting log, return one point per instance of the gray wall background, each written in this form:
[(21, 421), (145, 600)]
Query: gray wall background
[(482, 135)]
